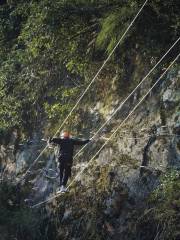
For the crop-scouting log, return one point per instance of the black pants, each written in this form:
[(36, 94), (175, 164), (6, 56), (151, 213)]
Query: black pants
[(65, 170)]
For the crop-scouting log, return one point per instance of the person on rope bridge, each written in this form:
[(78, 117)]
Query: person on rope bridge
[(65, 155)]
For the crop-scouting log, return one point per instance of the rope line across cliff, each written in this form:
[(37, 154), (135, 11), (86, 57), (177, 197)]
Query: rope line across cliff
[(112, 135)]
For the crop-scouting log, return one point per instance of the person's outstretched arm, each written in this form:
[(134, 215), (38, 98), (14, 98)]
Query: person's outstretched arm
[(55, 140), (80, 141)]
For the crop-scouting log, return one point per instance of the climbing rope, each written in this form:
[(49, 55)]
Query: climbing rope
[(112, 135), (87, 88)]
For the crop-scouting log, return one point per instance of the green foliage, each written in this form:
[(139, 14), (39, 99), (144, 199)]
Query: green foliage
[(167, 195), (167, 199), (160, 18), (38, 58), (162, 217), (49, 45), (16, 220), (114, 25)]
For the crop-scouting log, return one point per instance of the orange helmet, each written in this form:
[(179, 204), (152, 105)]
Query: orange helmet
[(65, 134)]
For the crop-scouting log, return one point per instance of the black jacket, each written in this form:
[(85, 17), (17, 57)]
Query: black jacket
[(66, 146)]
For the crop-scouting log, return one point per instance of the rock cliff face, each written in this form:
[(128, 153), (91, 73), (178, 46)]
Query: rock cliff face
[(108, 199), (110, 195)]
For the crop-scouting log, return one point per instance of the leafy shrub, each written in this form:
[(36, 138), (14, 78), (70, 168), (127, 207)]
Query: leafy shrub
[(162, 219)]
